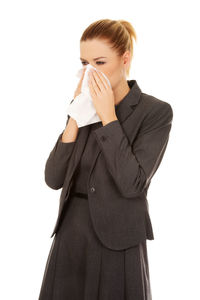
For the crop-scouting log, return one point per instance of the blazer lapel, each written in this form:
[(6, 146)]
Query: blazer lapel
[(128, 103)]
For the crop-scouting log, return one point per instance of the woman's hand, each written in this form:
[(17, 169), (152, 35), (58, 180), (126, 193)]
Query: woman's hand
[(78, 89), (102, 96)]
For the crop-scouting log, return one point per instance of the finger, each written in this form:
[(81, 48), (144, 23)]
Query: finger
[(94, 88), (102, 79), (92, 92), (97, 81)]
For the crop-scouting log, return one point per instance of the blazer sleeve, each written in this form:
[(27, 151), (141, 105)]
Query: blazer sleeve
[(133, 166), (57, 162)]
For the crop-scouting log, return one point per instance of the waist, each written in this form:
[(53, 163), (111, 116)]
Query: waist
[(79, 194)]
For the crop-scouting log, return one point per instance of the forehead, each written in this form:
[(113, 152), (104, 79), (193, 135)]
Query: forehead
[(95, 48)]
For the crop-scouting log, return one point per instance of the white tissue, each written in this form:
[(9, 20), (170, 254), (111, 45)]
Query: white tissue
[(82, 109)]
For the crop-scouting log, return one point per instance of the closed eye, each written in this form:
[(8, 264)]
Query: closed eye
[(98, 63)]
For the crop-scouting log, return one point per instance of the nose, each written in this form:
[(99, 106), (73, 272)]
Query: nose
[(90, 66)]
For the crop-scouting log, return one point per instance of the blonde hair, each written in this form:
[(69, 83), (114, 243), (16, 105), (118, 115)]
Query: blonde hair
[(119, 33)]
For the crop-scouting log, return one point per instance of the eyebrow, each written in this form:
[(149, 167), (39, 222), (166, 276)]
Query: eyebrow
[(94, 58)]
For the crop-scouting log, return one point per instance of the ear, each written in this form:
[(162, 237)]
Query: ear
[(126, 60)]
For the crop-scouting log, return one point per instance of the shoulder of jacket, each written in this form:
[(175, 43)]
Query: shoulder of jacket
[(153, 105)]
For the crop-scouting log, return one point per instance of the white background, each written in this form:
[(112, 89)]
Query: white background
[(39, 59)]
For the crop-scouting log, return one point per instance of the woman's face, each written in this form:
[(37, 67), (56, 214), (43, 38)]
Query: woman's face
[(98, 53)]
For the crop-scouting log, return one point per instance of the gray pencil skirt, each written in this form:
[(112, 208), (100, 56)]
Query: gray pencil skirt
[(80, 267)]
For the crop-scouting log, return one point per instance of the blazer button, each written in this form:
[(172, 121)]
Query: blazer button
[(92, 189), (103, 138)]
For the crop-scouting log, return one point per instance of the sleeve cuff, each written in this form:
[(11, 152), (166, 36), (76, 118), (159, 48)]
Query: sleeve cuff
[(107, 130), (65, 145), (109, 134)]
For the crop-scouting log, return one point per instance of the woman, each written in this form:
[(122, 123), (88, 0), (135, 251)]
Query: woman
[(105, 168)]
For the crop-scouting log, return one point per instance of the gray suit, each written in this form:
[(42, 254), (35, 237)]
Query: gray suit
[(130, 151)]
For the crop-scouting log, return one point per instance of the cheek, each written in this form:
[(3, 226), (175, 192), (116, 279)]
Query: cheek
[(113, 73), (114, 77)]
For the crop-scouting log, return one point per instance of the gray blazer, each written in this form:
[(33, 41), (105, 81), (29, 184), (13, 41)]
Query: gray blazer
[(130, 151)]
